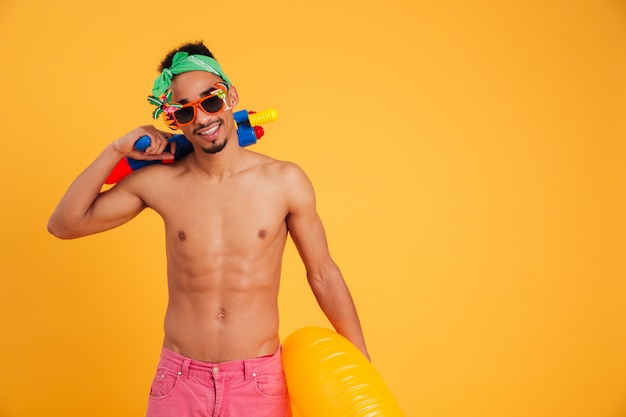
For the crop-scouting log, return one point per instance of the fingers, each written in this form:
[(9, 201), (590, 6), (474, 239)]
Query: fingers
[(173, 146), (156, 141)]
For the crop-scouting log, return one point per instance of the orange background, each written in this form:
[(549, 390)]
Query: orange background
[(469, 161)]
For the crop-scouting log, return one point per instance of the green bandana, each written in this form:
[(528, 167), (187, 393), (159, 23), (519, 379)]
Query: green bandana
[(183, 62)]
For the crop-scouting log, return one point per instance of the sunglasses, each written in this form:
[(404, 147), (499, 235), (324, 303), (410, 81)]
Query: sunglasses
[(213, 103)]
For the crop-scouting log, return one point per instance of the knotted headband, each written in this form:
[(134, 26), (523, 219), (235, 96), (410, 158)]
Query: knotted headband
[(183, 62)]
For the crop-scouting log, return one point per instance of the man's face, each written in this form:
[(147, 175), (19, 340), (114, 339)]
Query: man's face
[(209, 131)]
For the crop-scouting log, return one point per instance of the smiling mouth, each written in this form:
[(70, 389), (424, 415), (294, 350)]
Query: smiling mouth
[(209, 130)]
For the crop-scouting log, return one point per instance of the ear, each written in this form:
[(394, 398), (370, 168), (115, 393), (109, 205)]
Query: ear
[(233, 96)]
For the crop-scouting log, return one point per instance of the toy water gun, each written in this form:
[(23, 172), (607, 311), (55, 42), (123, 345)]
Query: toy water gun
[(248, 132)]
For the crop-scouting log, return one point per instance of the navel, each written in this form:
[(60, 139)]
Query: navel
[(262, 234), (221, 315), (182, 236)]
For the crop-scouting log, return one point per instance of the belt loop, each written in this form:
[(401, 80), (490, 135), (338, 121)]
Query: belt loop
[(247, 370), (185, 370)]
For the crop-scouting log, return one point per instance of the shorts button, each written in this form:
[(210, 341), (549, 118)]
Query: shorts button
[(216, 370)]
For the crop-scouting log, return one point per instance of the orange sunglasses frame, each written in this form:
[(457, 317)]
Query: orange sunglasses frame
[(220, 91)]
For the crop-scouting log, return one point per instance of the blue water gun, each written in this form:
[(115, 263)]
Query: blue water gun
[(249, 130)]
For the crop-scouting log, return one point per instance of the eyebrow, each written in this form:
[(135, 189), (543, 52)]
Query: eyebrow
[(202, 94)]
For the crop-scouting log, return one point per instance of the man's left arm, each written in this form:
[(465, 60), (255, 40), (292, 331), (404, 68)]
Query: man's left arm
[(323, 274)]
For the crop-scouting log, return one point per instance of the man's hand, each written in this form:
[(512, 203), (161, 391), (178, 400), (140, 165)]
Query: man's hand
[(125, 145)]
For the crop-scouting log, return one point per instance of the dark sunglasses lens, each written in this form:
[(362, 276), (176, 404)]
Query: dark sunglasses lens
[(212, 104), (184, 115)]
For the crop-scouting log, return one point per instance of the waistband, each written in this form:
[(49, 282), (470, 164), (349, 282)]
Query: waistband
[(246, 368)]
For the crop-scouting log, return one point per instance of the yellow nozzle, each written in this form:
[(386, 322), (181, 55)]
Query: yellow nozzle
[(261, 117)]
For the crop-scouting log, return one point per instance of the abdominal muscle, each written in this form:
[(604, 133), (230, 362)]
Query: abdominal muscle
[(225, 309), (219, 331)]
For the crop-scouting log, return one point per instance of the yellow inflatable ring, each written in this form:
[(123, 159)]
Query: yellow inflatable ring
[(327, 376)]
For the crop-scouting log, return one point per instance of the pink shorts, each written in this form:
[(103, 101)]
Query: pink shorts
[(250, 387)]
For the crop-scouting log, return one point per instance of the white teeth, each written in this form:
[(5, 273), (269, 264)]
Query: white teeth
[(211, 130)]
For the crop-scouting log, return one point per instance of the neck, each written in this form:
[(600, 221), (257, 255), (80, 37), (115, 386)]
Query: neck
[(220, 164)]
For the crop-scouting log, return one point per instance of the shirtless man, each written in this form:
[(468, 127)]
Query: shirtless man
[(227, 213)]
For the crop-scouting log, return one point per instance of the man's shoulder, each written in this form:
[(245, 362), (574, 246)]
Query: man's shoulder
[(289, 174), (275, 166)]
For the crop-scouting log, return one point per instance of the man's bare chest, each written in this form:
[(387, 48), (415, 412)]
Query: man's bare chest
[(222, 216)]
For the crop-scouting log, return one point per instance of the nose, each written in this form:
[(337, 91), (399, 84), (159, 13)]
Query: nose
[(202, 117)]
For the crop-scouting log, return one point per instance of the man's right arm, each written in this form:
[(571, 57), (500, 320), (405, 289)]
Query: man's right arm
[(84, 209)]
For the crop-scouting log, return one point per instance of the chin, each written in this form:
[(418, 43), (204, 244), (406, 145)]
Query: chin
[(215, 148)]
